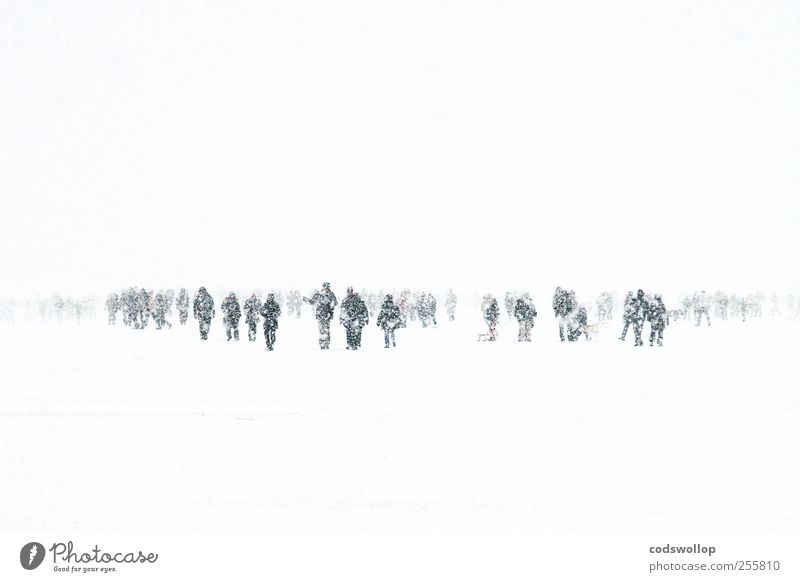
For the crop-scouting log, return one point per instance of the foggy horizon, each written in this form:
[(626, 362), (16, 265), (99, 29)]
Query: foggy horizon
[(412, 145)]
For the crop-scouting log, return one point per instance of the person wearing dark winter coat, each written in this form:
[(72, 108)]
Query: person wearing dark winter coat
[(638, 315), (353, 315), (182, 302), (577, 324), (491, 315), (563, 305), (252, 308), (231, 314), (324, 302), (270, 311), (143, 308), (627, 314), (389, 319), (525, 313), (203, 311), (658, 318)]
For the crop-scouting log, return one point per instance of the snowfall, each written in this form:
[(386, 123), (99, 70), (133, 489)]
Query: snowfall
[(104, 427)]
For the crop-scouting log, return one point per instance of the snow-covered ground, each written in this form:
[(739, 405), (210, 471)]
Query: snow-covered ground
[(105, 428)]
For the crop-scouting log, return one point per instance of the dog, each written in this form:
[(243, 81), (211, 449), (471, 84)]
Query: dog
[(591, 330)]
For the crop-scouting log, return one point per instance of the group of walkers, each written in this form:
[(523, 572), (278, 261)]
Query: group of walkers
[(269, 310), (572, 317), (698, 306), (354, 317), (639, 309), (520, 307), (141, 308)]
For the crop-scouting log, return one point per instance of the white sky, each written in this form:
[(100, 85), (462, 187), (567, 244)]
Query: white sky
[(472, 144)]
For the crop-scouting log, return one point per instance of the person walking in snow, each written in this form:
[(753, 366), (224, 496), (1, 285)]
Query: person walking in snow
[(561, 308), (389, 319), (491, 315), (525, 313), (203, 311), (353, 315), (510, 301), (627, 314), (160, 311), (702, 307), (450, 303), (430, 308), (324, 302), (639, 315), (578, 321), (231, 314), (270, 311), (112, 306), (252, 309), (182, 303), (658, 318)]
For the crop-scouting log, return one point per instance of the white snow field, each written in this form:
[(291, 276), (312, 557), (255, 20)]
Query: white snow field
[(108, 428)]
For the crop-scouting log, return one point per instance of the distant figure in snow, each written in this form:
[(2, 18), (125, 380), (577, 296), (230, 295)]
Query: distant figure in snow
[(721, 301), (324, 302), (525, 313), (160, 310), (169, 298), (58, 306), (143, 308), (112, 306), (270, 311), (491, 315), (605, 306), (294, 303), (128, 308), (389, 319), (182, 303), (353, 315), (231, 314), (404, 303), (702, 306), (203, 311), (658, 318), (252, 309), (688, 306), (426, 309), (450, 303), (510, 301)]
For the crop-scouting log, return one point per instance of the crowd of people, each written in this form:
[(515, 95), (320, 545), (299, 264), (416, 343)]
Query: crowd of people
[(640, 308), (55, 307), (139, 308)]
